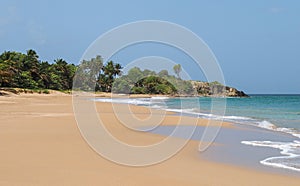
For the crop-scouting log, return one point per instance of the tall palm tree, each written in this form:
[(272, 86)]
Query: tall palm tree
[(31, 64), (45, 74), (32, 53), (118, 68), (177, 70), (110, 72), (66, 73)]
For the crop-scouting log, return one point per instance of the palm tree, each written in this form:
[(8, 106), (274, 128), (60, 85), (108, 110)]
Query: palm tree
[(31, 64), (65, 72), (45, 74), (177, 70), (110, 72), (31, 53), (117, 70)]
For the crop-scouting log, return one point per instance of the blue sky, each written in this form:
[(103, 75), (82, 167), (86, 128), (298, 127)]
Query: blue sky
[(256, 42)]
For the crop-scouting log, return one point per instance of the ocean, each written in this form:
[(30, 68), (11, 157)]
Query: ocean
[(280, 113)]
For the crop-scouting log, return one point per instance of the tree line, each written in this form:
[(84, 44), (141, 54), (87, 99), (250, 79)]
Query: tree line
[(21, 70), (26, 70), (138, 81), (93, 75)]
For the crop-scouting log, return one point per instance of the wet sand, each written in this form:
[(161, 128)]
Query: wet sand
[(41, 145)]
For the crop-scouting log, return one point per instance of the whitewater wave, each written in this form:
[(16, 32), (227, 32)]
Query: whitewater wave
[(124, 101), (160, 97), (242, 120), (289, 150), (268, 125), (158, 102)]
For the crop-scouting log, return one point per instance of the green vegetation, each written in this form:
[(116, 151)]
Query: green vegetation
[(94, 72), (31, 75), (18, 70), (177, 70), (215, 83), (27, 71), (24, 90), (149, 82)]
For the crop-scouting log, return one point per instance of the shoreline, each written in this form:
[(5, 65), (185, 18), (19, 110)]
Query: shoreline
[(231, 150), (41, 144), (281, 147)]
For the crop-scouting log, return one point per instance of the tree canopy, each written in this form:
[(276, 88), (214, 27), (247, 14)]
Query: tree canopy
[(138, 81), (27, 71), (19, 70), (177, 69)]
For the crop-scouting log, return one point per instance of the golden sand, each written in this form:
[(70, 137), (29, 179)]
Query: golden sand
[(40, 144)]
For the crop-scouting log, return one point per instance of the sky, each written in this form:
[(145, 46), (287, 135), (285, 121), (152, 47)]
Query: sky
[(257, 43)]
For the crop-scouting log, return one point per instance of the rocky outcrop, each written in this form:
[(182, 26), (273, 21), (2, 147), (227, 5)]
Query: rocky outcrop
[(216, 89), (233, 92)]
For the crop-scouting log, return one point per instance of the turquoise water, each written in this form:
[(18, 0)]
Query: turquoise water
[(278, 113), (279, 110)]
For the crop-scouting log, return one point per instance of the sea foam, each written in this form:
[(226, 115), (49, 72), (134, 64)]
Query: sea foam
[(289, 150), (158, 102), (268, 125)]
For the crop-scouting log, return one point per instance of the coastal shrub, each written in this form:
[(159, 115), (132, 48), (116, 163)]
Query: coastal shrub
[(138, 90), (121, 86), (155, 85), (215, 83), (46, 91)]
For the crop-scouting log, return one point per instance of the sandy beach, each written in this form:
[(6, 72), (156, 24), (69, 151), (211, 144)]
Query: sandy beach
[(42, 145)]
